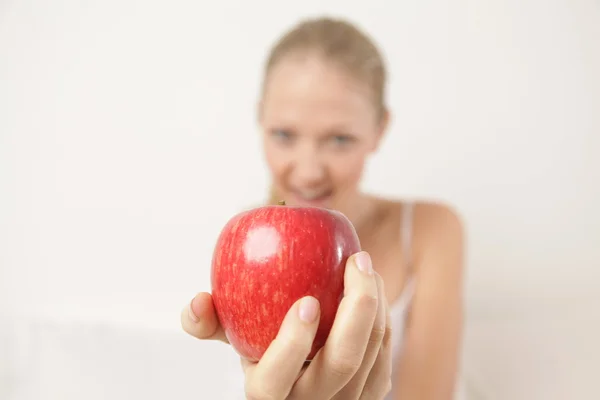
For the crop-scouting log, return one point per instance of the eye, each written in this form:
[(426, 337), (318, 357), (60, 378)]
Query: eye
[(341, 140), (282, 135)]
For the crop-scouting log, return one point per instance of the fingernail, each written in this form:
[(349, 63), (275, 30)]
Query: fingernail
[(363, 262), (193, 316), (309, 309)]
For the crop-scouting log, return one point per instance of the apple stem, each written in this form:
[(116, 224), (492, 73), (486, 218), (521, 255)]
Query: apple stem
[(282, 202)]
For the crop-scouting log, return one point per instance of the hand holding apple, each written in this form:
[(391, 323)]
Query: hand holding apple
[(354, 363)]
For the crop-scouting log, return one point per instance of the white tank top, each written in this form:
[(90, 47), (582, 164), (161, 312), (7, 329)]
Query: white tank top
[(399, 308)]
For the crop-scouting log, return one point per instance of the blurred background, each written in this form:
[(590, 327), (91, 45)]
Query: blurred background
[(128, 138)]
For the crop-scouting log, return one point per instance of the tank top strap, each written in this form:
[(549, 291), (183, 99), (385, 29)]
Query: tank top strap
[(406, 237), (406, 233)]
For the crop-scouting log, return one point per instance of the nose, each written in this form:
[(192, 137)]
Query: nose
[(309, 169)]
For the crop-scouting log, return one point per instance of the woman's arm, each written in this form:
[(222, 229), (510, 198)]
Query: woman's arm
[(429, 363)]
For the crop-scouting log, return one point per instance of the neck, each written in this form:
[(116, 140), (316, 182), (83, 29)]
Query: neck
[(359, 211)]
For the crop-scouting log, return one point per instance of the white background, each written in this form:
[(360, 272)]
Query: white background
[(128, 137)]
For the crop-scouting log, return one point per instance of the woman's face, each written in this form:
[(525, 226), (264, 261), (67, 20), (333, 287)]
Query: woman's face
[(319, 126)]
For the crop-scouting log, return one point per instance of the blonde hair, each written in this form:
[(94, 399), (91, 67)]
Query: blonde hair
[(340, 42)]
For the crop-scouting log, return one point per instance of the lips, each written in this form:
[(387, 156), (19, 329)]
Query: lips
[(316, 199)]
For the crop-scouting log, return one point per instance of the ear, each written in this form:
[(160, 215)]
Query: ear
[(382, 127)]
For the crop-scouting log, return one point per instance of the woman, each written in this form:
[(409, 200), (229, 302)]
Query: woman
[(322, 111)]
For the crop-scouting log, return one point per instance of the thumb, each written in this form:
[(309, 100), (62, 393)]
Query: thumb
[(199, 319), (275, 374)]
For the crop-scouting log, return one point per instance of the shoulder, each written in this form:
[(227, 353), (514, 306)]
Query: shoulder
[(438, 230), (439, 238), (429, 218), (436, 220)]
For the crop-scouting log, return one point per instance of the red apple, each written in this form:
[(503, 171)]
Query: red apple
[(267, 258)]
